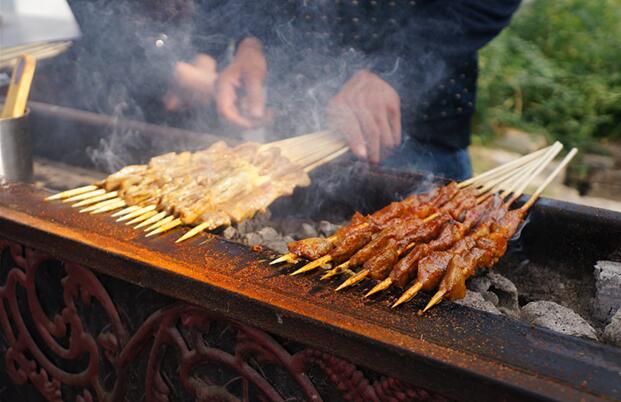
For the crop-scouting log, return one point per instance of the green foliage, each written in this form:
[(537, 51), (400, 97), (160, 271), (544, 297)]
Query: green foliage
[(556, 70)]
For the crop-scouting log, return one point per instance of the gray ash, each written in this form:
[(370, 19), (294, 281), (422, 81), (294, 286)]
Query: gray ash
[(275, 232)]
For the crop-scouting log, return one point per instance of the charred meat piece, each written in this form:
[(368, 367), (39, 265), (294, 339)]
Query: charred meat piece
[(311, 248)]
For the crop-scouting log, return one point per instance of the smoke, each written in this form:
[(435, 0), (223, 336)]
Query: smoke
[(123, 65)]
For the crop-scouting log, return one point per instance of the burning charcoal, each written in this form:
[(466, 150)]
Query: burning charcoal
[(268, 234), (327, 228), (244, 227), (504, 292), (557, 318), (252, 239), (278, 245), (607, 284), (308, 231), (612, 333), (230, 233), (475, 300)]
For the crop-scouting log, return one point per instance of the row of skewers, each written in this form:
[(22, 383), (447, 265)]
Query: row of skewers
[(431, 241), (206, 189)]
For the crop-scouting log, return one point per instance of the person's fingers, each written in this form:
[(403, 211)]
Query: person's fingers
[(205, 63), (371, 134), (386, 134), (394, 119), (343, 120), (255, 95), (227, 99)]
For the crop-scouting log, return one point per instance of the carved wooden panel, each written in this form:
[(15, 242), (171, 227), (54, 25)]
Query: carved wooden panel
[(71, 335)]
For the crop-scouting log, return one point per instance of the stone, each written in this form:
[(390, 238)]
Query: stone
[(558, 318), (498, 290), (230, 233), (612, 332), (244, 226), (308, 231), (607, 289), (327, 228), (268, 234), (475, 300), (252, 239), (279, 246)]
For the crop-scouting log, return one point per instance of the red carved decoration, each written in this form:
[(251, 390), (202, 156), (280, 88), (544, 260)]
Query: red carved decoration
[(49, 351)]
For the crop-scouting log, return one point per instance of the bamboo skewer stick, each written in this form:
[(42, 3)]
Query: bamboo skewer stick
[(94, 200), (157, 216), (160, 223), (164, 228), (84, 196), (70, 193), (125, 211), (98, 205), (136, 213), (141, 218)]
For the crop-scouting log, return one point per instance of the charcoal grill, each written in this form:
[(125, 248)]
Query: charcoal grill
[(452, 352)]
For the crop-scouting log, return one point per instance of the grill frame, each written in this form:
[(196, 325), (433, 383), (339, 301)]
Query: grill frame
[(460, 352)]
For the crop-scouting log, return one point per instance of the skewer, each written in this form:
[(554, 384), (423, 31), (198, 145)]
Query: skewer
[(326, 159), (71, 193), (125, 211), (164, 228), (99, 205), (118, 203), (84, 196), (524, 171), (193, 232), (150, 221), (491, 174), (358, 276), (533, 198), (505, 167), (94, 200), (136, 213), (141, 218), (160, 223), (313, 264)]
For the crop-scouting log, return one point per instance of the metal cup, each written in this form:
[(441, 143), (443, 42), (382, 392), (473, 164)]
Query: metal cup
[(15, 149)]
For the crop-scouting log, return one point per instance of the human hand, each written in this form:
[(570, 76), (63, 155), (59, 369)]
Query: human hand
[(367, 110), (240, 86), (193, 84)]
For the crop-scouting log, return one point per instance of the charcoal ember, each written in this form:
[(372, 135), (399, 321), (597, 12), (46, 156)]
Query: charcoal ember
[(499, 290), (244, 227), (278, 245), (607, 294), (327, 229), (612, 332), (557, 318), (230, 233), (477, 301), (253, 239), (268, 234)]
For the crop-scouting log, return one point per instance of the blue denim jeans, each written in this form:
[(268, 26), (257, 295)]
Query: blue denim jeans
[(440, 161)]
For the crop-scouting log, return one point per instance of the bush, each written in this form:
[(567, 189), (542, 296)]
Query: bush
[(556, 70)]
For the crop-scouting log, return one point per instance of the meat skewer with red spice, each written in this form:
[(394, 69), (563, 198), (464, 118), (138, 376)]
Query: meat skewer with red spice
[(490, 249)]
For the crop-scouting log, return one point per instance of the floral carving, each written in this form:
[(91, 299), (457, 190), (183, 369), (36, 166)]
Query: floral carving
[(178, 351)]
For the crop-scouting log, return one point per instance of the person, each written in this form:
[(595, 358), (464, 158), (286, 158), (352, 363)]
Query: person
[(397, 78)]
